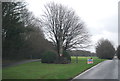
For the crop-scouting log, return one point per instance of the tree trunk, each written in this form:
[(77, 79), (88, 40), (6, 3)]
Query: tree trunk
[(61, 43), (76, 58)]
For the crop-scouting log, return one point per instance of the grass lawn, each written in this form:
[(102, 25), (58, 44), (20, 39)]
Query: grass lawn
[(37, 70)]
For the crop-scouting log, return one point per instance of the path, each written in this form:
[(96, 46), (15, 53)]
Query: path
[(105, 70), (21, 62)]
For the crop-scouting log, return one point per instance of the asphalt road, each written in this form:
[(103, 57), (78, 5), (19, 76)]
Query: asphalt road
[(21, 62), (105, 70), (119, 70)]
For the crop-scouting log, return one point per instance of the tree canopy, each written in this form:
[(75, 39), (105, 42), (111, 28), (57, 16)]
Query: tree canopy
[(64, 27), (105, 49), (22, 36)]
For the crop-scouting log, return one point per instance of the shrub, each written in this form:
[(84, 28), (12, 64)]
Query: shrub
[(66, 58), (118, 52), (49, 57), (105, 49), (67, 55)]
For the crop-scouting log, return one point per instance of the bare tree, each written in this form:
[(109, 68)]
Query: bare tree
[(105, 49), (64, 28), (36, 44)]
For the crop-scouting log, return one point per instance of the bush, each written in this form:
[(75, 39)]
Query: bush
[(67, 55), (105, 49), (66, 58), (49, 57), (118, 52)]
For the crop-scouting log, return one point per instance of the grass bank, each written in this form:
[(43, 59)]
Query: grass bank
[(37, 70)]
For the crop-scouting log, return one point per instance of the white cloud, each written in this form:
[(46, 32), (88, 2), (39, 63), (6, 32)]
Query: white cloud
[(113, 37)]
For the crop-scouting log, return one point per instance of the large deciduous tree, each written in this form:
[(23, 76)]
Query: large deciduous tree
[(64, 28), (12, 27), (105, 49), (22, 36)]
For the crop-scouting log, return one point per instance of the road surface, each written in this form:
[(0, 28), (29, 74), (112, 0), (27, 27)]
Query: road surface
[(18, 63), (119, 70), (105, 70)]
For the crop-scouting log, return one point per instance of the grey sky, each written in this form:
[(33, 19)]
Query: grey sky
[(100, 16)]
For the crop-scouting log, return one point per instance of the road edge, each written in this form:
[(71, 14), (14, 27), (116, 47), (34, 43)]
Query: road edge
[(87, 70)]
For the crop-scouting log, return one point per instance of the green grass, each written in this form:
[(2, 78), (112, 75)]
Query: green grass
[(37, 70)]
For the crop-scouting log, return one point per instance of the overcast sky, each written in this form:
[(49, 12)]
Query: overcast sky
[(100, 16)]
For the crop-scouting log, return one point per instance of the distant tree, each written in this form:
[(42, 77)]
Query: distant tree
[(81, 53), (118, 52), (64, 28), (34, 38), (36, 43), (105, 49)]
